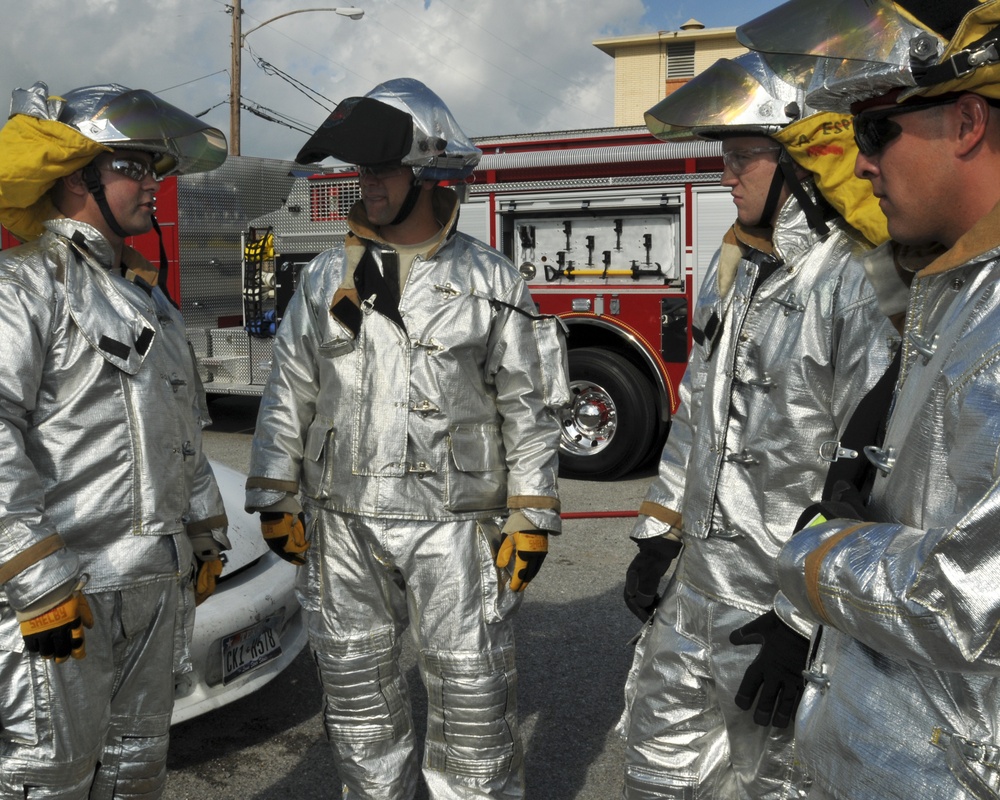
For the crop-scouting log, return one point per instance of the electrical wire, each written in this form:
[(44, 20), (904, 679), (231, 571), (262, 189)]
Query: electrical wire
[(193, 80), (211, 108), (313, 94), (307, 91), (276, 117)]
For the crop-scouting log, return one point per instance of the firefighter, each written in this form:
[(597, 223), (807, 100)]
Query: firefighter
[(413, 405), (788, 337), (902, 697), (109, 509)]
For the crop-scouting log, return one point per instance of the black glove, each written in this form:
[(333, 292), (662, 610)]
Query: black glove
[(776, 673), (643, 576), (845, 503)]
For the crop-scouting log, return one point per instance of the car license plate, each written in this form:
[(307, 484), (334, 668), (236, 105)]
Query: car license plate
[(250, 648)]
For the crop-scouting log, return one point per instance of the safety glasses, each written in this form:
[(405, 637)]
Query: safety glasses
[(384, 171), (874, 129), (738, 161), (132, 168)]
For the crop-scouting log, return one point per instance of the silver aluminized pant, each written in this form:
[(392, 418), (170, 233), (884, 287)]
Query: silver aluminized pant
[(684, 735), (364, 582), (95, 728)]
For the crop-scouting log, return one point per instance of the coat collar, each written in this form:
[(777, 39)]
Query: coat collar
[(980, 242), (445, 203), (112, 323)]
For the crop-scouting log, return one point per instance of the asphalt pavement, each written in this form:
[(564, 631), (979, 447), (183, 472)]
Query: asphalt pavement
[(573, 653)]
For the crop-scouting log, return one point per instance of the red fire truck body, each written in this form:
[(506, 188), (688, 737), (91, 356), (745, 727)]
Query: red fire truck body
[(612, 229)]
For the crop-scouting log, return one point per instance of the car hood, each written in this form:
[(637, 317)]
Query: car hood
[(244, 529)]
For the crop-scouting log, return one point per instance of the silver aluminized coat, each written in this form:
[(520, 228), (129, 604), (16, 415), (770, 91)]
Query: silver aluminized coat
[(742, 460), (446, 420), (101, 472), (99, 443), (906, 680), (743, 456)]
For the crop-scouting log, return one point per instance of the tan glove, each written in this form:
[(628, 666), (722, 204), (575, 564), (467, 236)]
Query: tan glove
[(285, 534), (522, 553), (207, 563)]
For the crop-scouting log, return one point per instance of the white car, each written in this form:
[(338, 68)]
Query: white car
[(252, 627)]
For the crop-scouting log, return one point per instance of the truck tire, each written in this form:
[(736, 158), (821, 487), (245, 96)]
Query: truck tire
[(607, 429)]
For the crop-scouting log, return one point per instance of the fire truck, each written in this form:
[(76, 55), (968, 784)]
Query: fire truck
[(612, 229)]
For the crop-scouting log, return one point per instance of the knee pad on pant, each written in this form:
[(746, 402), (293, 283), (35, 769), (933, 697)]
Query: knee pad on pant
[(55, 782), (133, 767), (365, 695), (642, 785), (472, 713)]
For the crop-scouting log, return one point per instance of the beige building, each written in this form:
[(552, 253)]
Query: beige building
[(650, 66)]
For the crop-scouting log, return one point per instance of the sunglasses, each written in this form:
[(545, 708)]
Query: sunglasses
[(383, 172), (131, 168), (738, 161), (873, 130)]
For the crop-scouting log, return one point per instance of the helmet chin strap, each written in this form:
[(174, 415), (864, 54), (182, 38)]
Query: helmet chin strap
[(771, 203), (92, 178), (408, 203), (784, 175)]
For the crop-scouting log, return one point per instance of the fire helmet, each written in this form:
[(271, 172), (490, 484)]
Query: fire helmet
[(748, 96), (400, 121), (736, 96), (48, 137), (135, 119), (871, 48)]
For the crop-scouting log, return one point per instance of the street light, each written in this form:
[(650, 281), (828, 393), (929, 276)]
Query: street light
[(237, 58)]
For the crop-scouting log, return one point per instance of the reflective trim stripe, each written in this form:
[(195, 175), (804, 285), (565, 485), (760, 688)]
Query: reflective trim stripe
[(663, 514), (814, 564), (206, 525), (291, 487), (32, 555), (533, 501)]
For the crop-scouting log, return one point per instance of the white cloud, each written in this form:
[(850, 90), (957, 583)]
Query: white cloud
[(503, 66)]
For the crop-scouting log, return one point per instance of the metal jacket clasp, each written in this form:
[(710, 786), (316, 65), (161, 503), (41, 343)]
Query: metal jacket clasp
[(924, 345), (765, 381), (831, 451), (791, 304), (744, 457), (883, 458)]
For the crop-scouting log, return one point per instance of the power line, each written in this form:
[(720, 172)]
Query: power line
[(211, 108), (371, 20), (276, 117), (269, 69), (193, 80)]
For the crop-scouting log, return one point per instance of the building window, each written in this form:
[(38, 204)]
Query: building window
[(680, 60)]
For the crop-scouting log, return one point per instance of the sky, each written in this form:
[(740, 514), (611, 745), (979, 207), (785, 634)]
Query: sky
[(501, 66)]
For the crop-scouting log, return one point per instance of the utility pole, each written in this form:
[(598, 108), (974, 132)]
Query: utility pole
[(234, 79), (237, 55)]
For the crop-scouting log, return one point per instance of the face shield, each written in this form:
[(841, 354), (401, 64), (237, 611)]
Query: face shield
[(765, 96), (121, 118), (732, 97), (869, 48), (398, 122)]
